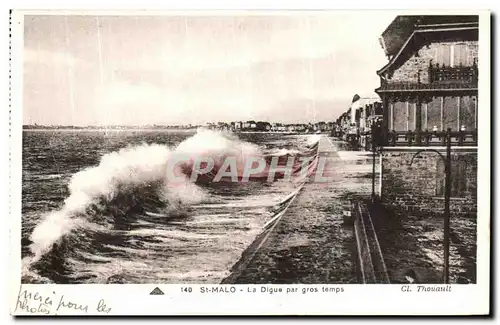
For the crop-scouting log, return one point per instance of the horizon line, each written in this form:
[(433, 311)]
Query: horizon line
[(164, 125)]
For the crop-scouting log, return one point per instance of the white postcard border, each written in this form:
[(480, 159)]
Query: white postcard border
[(354, 300)]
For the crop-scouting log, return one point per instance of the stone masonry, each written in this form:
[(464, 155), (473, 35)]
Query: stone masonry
[(408, 71), (413, 188)]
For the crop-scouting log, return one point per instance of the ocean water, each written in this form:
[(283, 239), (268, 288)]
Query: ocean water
[(97, 207)]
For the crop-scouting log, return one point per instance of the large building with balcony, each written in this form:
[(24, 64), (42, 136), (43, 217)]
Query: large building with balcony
[(429, 86), (429, 94)]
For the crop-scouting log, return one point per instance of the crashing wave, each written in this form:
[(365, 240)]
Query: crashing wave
[(116, 183)]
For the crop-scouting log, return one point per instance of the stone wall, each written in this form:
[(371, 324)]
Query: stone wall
[(420, 60), (414, 188)]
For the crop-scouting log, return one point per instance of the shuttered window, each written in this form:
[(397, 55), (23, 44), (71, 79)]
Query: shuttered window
[(452, 55), (459, 55), (443, 56)]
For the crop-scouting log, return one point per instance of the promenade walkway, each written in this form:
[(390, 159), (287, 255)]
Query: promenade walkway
[(312, 243)]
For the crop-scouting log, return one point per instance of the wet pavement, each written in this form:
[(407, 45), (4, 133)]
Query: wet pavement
[(313, 243), (415, 243)]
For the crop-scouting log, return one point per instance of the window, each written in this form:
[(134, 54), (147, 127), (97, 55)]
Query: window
[(412, 109), (450, 113), (433, 114), (458, 177), (443, 56), (423, 117), (400, 116), (452, 55), (468, 112), (391, 116), (459, 55)]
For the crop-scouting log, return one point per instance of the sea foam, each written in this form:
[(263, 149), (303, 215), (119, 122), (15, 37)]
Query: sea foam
[(134, 167)]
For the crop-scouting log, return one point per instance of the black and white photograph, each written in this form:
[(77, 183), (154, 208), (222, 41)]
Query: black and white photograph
[(219, 150)]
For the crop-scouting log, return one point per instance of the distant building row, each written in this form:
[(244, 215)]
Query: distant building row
[(356, 123), (272, 127)]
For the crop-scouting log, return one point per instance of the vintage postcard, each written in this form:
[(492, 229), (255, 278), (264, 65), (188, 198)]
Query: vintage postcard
[(250, 162)]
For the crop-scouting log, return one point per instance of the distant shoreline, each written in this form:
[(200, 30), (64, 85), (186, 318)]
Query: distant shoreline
[(105, 129), (151, 129)]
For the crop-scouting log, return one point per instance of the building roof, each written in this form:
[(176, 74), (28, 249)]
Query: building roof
[(363, 101), (403, 30), (400, 29)]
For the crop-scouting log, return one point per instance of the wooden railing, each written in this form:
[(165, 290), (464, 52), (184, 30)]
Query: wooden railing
[(408, 86), (453, 75), (440, 77), (427, 138)]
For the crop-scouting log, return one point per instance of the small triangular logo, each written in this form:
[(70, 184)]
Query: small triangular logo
[(156, 291)]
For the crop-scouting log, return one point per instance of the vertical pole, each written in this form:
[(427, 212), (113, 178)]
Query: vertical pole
[(385, 119), (418, 119), (447, 194), (373, 159)]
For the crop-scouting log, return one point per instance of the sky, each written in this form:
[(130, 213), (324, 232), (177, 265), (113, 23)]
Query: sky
[(290, 67)]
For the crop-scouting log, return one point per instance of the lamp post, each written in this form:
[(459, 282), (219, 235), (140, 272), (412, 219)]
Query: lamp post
[(374, 148), (375, 142), (447, 194)]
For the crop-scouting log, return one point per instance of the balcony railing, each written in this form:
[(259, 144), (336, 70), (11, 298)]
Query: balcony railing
[(440, 78), (409, 86), (428, 138), (453, 75)]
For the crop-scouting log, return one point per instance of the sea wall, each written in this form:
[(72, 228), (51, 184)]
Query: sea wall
[(418, 186)]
